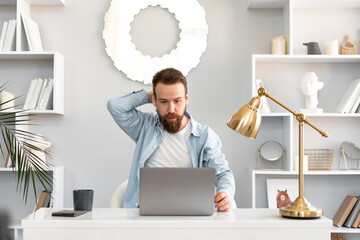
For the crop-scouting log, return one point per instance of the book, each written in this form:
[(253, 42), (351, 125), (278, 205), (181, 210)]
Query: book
[(32, 34), (26, 32), (10, 36), (68, 213), (45, 95), (349, 97), (344, 210), (36, 93), (356, 104), (3, 35), (356, 222), (41, 200), (41, 93), (30, 94), (353, 214)]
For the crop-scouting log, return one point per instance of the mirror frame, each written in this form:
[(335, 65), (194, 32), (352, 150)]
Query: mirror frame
[(139, 67)]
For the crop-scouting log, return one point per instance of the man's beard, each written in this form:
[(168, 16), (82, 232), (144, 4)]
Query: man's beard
[(172, 126)]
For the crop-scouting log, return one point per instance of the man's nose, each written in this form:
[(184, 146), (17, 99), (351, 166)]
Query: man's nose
[(171, 107)]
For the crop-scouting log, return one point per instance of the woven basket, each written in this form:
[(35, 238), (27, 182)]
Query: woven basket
[(348, 48), (337, 236), (319, 159)]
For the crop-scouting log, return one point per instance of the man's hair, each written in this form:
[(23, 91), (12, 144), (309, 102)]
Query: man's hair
[(169, 76)]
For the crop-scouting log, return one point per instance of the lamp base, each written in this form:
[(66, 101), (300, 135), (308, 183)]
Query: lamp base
[(301, 209)]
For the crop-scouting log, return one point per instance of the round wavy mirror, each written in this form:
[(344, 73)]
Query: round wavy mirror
[(140, 67)]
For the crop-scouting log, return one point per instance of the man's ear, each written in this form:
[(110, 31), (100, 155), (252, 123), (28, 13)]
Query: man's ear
[(153, 100), (187, 98)]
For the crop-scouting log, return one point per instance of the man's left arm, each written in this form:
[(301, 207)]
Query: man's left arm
[(225, 183)]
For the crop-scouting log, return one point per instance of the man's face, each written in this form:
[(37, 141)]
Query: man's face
[(170, 103)]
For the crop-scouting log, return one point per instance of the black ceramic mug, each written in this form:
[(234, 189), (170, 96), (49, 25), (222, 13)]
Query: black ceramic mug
[(83, 199)]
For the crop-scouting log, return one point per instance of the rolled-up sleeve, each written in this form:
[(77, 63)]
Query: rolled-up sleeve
[(214, 158)]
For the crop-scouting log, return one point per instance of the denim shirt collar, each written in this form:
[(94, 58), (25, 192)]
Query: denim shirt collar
[(194, 125)]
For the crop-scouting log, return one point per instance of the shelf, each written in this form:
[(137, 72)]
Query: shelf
[(344, 115), (26, 55), (51, 111), (47, 2), (345, 230), (304, 3), (5, 169), (276, 114), (331, 172), (35, 2), (267, 3), (9, 169), (269, 58)]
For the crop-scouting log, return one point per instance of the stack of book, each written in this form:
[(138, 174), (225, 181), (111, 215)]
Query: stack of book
[(7, 37), (348, 215), (38, 97), (32, 34), (350, 102)]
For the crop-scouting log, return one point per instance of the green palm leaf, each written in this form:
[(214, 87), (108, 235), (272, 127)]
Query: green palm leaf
[(19, 145)]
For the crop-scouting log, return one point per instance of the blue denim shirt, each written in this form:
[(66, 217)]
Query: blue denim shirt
[(145, 129)]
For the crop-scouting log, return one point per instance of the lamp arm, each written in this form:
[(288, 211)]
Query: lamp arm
[(299, 116)]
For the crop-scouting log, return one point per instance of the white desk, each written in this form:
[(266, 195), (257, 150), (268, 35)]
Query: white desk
[(127, 224)]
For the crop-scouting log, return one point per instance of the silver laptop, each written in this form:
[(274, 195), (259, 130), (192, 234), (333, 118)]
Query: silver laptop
[(177, 191)]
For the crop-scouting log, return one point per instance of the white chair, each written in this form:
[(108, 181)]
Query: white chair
[(118, 195)]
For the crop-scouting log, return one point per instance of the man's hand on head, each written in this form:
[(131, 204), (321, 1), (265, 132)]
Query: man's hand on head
[(222, 202)]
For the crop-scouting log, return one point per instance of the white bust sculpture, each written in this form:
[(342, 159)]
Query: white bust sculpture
[(265, 105), (310, 86)]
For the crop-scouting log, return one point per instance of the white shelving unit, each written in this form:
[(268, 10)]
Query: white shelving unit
[(19, 67), (308, 21)]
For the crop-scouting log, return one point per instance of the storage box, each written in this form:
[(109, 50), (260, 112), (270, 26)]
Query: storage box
[(319, 159)]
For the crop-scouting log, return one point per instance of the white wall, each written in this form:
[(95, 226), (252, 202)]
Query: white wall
[(94, 151)]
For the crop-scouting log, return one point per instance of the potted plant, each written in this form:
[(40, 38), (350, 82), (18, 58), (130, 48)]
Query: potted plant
[(20, 147)]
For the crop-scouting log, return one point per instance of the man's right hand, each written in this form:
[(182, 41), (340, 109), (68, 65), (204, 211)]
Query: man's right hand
[(150, 94)]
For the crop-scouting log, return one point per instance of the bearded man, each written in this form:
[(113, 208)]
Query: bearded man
[(170, 138)]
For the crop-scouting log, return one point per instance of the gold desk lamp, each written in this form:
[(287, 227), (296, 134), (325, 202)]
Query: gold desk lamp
[(247, 120)]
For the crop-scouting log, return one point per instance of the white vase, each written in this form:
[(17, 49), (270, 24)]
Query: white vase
[(278, 45), (305, 163)]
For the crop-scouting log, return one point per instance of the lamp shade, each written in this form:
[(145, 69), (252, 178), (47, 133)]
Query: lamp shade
[(247, 119)]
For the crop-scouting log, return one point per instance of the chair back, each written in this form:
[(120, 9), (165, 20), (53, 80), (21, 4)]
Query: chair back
[(118, 196)]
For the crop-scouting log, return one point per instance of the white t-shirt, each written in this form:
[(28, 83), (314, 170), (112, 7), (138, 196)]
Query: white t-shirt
[(172, 151)]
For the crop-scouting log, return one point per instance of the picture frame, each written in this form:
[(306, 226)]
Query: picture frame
[(281, 192)]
